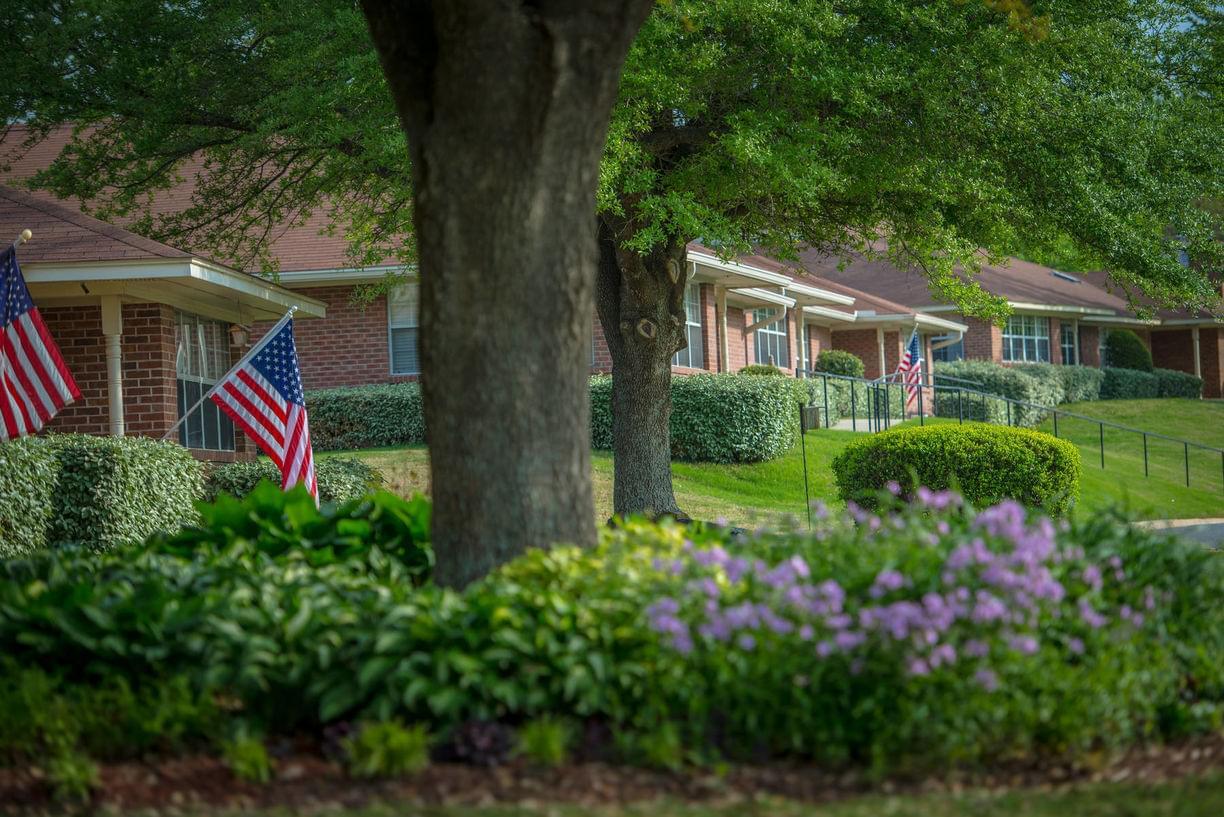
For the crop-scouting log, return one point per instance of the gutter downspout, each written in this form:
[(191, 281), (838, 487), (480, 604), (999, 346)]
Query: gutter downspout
[(1198, 352)]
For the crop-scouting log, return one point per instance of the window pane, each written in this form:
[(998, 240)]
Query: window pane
[(405, 358), (696, 358), (403, 305)]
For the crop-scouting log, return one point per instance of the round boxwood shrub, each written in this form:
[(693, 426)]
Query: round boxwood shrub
[(836, 361), (985, 463), (340, 478), (1124, 350)]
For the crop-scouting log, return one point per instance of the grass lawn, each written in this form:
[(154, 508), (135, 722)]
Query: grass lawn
[(1189, 798), (746, 494)]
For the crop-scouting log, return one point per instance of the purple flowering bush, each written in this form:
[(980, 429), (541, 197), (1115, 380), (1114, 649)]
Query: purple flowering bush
[(939, 634)]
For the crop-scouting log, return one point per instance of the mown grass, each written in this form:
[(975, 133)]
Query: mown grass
[(751, 493)]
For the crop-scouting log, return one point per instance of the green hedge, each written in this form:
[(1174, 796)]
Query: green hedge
[(340, 478), (986, 463), (994, 379), (1125, 350), (115, 490), (366, 417), (1173, 383), (1129, 384), (762, 369), (717, 417), (1078, 383), (837, 361), (28, 471)]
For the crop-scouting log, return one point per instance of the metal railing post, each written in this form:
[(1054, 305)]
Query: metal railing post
[(853, 409), (960, 408), (807, 493), (887, 407), (1056, 424), (1009, 414), (1145, 455), (1102, 445), (1186, 446), (825, 378), (921, 415)]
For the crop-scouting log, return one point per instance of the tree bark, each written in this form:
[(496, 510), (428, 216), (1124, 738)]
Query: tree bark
[(640, 302), (506, 108)]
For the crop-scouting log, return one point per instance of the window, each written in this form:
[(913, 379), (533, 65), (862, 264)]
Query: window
[(202, 358), (1069, 341), (403, 306), (1102, 337), (772, 344), (1027, 338), (692, 355), (947, 354)]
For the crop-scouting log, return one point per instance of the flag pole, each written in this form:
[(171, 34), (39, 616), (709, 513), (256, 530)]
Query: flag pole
[(22, 237), (254, 350)]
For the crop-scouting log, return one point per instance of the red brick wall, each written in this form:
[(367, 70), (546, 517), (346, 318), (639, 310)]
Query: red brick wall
[(893, 349), (1056, 341), (864, 344), (602, 355), (1174, 349), (349, 347), (819, 339), (709, 328), (1089, 338), (149, 400), (739, 343), (983, 340)]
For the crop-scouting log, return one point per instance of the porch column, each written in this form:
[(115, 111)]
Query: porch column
[(112, 330), (801, 320), (720, 310), (1198, 352), (880, 343)]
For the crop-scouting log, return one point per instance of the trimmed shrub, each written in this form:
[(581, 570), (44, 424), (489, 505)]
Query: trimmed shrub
[(1125, 350), (836, 361), (985, 463), (1081, 383), (340, 478), (28, 471), (717, 417), (1173, 383), (992, 378), (115, 490), (366, 417), (762, 369), (1128, 384)]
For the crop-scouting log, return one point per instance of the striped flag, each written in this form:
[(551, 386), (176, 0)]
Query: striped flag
[(911, 369), (263, 394), (34, 382)]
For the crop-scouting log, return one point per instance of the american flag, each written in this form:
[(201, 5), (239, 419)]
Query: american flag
[(263, 394), (34, 382), (911, 369)]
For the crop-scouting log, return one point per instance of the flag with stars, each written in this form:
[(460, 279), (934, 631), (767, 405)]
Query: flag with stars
[(34, 382), (263, 394)]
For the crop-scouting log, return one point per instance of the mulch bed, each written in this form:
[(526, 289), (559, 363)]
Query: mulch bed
[(309, 782)]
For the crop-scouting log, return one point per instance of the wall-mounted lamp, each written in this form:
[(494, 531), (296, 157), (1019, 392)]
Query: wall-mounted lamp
[(240, 335)]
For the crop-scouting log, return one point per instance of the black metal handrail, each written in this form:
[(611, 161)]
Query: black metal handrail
[(877, 421)]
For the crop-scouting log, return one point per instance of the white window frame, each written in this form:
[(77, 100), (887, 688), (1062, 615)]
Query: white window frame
[(201, 370), (1075, 350), (1027, 335), (776, 334), (413, 322), (692, 329)]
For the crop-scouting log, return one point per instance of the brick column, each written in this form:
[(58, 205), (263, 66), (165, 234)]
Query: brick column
[(1089, 338), (709, 328), (983, 340), (1056, 341)]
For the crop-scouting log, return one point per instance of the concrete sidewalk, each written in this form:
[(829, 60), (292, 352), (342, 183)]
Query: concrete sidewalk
[(1209, 532)]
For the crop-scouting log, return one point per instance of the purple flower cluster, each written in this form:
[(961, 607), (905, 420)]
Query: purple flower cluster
[(995, 590)]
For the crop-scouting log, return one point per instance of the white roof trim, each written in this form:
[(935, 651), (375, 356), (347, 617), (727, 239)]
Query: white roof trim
[(823, 294), (831, 314), (754, 295), (1122, 319), (1063, 309), (342, 275), (764, 276)]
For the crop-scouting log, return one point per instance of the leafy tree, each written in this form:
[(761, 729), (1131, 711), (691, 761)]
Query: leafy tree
[(941, 125), (933, 125), (288, 108)]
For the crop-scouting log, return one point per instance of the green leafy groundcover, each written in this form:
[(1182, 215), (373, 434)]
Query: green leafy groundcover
[(931, 635)]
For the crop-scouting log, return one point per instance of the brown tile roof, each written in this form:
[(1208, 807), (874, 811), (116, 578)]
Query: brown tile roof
[(63, 234), (302, 247)]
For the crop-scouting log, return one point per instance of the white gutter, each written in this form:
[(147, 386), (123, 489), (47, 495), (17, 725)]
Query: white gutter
[(823, 294), (831, 314), (1061, 309), (343, 275), (1108, 319), (764, 276), (762, 296)]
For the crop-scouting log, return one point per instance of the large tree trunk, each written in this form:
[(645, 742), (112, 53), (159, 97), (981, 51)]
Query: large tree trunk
[(640, 301), (506, 107)]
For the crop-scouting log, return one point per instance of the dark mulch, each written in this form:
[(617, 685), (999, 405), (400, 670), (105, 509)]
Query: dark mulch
[(309, 782)]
